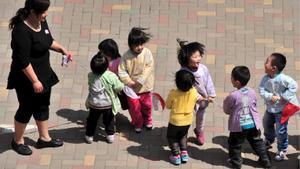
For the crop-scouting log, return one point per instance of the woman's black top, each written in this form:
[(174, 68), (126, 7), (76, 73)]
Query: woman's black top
[(30, 47)]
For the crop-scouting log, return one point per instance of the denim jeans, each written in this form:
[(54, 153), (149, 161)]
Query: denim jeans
[(273, 129)]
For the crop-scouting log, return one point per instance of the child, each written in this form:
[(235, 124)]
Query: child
[(137, 71), (277, 89), (181, 101), (110, 48), (102, 99), (244, 121), (189, 57)]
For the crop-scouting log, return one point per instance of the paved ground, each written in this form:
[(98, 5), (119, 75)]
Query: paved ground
[(235, 32)]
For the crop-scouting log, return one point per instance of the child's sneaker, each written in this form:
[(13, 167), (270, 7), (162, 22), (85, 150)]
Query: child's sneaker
[(149, 126), (200, 137), (265, 161), (110, 138), (138, 130), (88, 139), (184, 156), (231, 164), (176, 160), (280, 155)]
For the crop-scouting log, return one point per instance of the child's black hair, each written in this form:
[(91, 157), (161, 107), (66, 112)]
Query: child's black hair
[(241, 74), (99, 63), (110, 48), (184, 80), (186, 50), (137, 36), (278, 60)]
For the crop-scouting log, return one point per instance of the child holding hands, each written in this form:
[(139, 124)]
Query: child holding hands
[(102, 99), (189, 57), (181, 101), (137, 72)]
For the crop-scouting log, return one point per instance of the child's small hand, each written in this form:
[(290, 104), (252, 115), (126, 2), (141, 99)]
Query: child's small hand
[(210, 99), (131, 84), (200, 98), (275, 99)]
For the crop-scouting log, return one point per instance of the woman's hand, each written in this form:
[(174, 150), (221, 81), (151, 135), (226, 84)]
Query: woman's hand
[(37, 87)]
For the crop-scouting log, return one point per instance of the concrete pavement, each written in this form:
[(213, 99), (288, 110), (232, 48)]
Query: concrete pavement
[(235, 32)]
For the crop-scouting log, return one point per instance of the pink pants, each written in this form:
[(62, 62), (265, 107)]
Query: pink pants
[(140, 110)]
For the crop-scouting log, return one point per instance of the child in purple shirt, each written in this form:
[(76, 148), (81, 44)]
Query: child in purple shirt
[(189, 57), (244, 121)]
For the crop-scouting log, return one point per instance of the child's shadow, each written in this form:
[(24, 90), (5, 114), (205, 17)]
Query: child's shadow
[(151, 142), (246, 148), (74, 134)]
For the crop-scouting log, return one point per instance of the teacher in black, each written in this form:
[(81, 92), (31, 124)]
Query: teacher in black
[(31, 74)]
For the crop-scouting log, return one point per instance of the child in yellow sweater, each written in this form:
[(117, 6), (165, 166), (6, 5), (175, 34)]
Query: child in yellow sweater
[(181, 101)]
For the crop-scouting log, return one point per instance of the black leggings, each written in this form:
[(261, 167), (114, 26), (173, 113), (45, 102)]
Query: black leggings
[(108, 121), (177, 138), (31, 103)]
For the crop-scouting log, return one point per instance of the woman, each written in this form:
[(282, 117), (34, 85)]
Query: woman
[(31, 74)]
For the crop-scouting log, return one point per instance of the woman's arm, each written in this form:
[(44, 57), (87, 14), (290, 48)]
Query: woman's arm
[(59, 48), (37, 85)]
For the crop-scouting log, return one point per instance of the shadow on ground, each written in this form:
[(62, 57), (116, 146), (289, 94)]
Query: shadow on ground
[(290, 163)]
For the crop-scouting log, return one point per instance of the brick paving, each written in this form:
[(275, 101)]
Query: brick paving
[(235, 32)]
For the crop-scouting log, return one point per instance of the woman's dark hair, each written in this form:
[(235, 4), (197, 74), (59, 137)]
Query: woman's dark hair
[(278, 60), (241, 74), (38, 7), (186, 50), (99, 63), (184, 80), (110, 48), (137, 36)]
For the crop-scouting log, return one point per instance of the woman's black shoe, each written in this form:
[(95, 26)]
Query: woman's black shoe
[(20, 148), (52, 143)]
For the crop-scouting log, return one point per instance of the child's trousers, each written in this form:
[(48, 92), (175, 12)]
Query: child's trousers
[(177, 138), (92, 119), (273, 128), (200, 118), (140, 110), (235, 141)]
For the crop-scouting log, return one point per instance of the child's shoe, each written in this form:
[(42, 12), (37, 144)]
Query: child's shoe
[(280, 155), (138, 130), (89, 139), (265, 161), (200, 137), (184, 156), (176, 160), (110, 138), (231, 164), (149, 126)]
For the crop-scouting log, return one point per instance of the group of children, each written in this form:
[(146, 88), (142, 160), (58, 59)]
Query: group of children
[(133, 73)]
